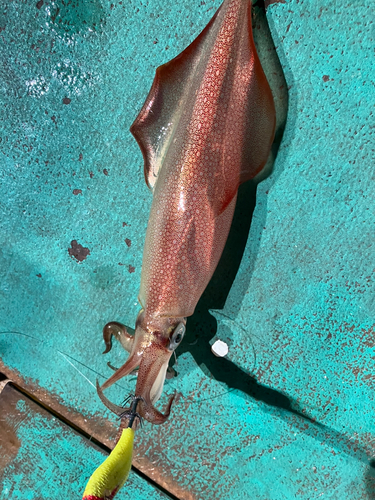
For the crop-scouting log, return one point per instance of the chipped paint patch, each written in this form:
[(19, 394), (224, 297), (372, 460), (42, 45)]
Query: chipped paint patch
[(76, 250)]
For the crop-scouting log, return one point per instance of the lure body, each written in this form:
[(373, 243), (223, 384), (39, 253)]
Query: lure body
[(207, 126), (110, 476)]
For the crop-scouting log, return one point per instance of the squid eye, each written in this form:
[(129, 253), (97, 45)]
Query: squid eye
[(177, 336)]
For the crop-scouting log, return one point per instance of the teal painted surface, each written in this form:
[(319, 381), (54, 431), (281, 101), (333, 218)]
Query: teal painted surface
[(299, 317), (54, 461)]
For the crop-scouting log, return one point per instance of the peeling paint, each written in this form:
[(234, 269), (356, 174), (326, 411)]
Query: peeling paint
[(78, 251)]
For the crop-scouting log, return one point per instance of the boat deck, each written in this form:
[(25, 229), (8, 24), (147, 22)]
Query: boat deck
[(289, 412)]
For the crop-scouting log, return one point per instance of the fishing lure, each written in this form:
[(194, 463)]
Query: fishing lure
[(112, 474), (207, 126)]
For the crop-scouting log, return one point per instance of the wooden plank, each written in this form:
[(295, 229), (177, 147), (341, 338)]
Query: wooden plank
[(41, 457)]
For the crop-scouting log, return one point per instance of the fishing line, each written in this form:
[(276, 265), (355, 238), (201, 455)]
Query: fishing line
[(218, 314), (318, 430), (190, 399), (84, 376), (64, 355)]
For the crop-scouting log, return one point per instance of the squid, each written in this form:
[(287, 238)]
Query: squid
[(207, 126)]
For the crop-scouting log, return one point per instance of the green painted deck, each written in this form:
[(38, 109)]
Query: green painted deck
[(290, 412), (47, 459)]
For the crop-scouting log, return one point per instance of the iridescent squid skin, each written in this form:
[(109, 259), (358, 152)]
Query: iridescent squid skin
[(207, 126)]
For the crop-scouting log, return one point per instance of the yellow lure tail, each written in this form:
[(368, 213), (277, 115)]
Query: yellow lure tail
[(111, 475)]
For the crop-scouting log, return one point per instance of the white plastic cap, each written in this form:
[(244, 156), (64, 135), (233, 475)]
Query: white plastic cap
[(220, 348)]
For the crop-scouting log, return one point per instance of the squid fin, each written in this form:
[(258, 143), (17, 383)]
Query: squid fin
[(153, 128), (222, 64)]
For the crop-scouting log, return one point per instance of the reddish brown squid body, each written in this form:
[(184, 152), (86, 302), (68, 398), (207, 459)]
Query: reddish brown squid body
[(207, 126)]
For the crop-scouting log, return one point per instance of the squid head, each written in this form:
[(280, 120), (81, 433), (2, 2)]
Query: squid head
[(150, 348)]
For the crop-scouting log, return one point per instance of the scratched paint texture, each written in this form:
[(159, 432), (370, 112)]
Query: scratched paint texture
[(299, 317)]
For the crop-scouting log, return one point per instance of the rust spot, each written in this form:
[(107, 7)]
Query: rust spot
[(78, 251), (77, 191), (91, 174), (39, 4), (131, 269), (95, 426), (369, 380), (53, 118), (120, 264), (124, 224), (9, 420), (105, 171), (128, 242), (66, 100), (325, 78), (80, 158), (39, 275)]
